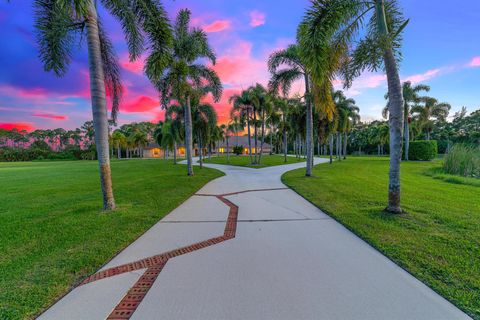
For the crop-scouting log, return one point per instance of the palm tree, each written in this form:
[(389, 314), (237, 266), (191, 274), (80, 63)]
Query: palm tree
[(140, 140), (431, 109), (284, 78), (411, 98), (204, 118), (178, 74), (348, 117), (339, 23), (119, 140), (242, 107), (59, 22)]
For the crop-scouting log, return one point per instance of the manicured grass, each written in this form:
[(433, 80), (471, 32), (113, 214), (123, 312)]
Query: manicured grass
[(244, 161), (53, 233), (437, 240)]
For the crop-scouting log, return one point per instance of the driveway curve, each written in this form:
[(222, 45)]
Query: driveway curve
[(247, 247)]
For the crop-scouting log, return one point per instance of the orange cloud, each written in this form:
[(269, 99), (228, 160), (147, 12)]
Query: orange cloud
[(257, 18), (223, 107), (217, 26)]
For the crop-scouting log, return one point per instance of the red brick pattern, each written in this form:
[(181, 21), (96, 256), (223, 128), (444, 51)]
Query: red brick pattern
[(154, 265)]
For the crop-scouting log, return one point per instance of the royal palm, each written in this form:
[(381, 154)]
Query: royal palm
[(58, 24)]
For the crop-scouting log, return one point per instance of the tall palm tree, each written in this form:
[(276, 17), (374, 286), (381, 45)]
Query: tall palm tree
[(348, 117), (119, 140), (431, 109), (284, 78), (59, 22), (342, 24), (178, 72), (176, 115), (242, 108), (204, 119), (411, 98)]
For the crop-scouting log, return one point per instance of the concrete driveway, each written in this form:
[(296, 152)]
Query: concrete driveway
[(246, 247)]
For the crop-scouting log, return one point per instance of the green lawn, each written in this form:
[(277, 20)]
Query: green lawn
[(53, 234), (438, 240), (244, 161)]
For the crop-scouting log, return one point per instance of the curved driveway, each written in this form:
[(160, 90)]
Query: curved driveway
[(283, 259)]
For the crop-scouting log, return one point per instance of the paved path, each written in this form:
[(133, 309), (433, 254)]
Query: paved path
[(245, 247)]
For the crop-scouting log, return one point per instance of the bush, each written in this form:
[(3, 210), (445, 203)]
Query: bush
[(463, 160), (40, 144), (424, 150), (238, 150)]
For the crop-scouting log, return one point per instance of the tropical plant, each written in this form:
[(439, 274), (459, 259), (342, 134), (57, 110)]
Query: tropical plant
[(283, 79), (411, 98), (58, 24), (431, 109), (178, 74), (204, 119), (241, 111), (341, 24)]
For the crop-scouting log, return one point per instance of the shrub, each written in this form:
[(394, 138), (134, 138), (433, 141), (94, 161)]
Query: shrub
[(424, 150), (238, 150), (463, 160)]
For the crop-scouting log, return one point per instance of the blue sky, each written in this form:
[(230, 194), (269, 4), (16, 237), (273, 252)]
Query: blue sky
[(441, 49)]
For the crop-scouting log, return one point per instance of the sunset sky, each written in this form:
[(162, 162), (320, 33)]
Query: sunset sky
[(441, 49)]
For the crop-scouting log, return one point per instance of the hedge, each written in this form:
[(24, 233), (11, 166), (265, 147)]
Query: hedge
[(423, 150)]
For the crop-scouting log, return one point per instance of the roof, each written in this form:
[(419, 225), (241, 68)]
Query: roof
[(233, 141)]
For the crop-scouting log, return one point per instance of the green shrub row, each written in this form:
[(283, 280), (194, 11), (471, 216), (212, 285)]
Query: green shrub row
[(32, 154), (423, 150)]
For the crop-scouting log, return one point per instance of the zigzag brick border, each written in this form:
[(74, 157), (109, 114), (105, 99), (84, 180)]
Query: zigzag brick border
[(154, 265)]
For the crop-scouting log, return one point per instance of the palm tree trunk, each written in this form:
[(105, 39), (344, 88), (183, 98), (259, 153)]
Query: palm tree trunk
[(119, 152), (345, 142), (228, 149), (263, 137), (255, 134), (188, 136), (271, 139), (99, 108), (285, 145), (395, 95), (249, 136), (407, 139), (331, 148), (200, 150), (175, 152), (309, 138)]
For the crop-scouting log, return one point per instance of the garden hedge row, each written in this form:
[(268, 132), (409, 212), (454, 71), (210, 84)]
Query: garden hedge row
[(423, 150)]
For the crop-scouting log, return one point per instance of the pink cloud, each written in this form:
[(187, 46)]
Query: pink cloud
[(141, 104), (217, 26), (16, 125), (50, 116), (237, 67), (417, 78), (135, 66), (475, 62), (257, 18), (223, 107)]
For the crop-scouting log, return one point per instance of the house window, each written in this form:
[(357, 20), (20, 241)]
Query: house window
[(221, 150)]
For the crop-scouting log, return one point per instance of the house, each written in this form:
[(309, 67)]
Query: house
[(153, 150)]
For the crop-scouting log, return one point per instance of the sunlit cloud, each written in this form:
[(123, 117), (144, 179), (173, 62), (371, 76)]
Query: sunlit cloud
[(217, 26), (132, 66), (417, 78), (475, 62), (257, 18), (141, 104), (17, 125), (49, 116)]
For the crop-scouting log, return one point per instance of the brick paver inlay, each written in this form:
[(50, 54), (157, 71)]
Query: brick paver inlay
[(155, 264)]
